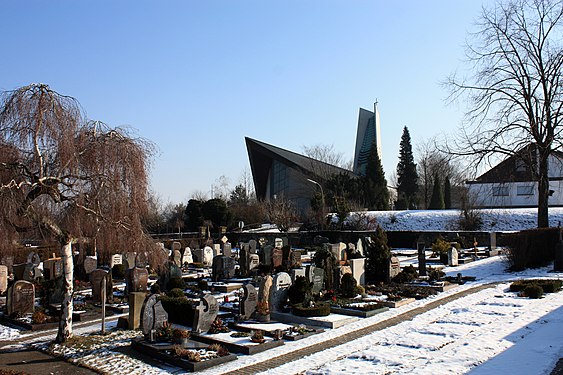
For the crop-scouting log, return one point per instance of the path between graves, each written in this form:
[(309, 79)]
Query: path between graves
[(406, 316)]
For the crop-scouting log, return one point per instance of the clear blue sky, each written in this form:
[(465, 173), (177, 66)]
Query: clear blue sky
[(196, 77)]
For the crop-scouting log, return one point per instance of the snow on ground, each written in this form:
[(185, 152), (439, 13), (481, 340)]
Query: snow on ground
[(497, 220)]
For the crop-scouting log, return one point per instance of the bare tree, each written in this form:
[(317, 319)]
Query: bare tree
[(327, 155), (282, 212), (515, 91), (69, 179)]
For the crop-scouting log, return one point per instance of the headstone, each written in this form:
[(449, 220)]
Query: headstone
[(227, 249), (21, 298), (318, 280), (248, 301), (421, 247), (277, 257), (3, 278), (142, 259), (357, 266), (278, 294), (360, 247), (295, 259), (278, 243), (116, 259), (96, 278), (8, 261), (223, 268), (187, 258), (31, 272), (285, 241), (205, 314), (137, 280), (267, 254), (177, 257), (176, 246), (253, 261), (452, 257), (153, 314), (243, 259), (265, 287), (286, 251), (492, 240), (53, 268), (130, 260), (33, 258), (55, 295), (90, 264), (342, 248), (335, 249), (295, 272), (252, 245), (394, 267), (136, 300), (198, 255), (207, 256)]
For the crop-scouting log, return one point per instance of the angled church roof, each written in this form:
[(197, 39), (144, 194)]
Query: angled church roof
[(262, 154)]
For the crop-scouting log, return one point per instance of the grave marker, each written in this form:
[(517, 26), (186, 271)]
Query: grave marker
[(153, 315), (21, 298), (96, 278), (90, 264), (278, 295), (452, 257), (205, 314), (248, 301)]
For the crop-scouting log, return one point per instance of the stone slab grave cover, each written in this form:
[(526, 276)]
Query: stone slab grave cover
[(53, 268), (205, 314), (153, 314), (394, 267), (187, 258), (223, 268), (358, 270), (3, 278), (248, 301), (278, 293), (115, 260), (207, 256), (96, 278), (21, 298), (130, 260), (90, 264), (137, 280), (452, 257)]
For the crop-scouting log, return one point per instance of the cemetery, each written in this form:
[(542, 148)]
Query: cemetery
[(209, 303)]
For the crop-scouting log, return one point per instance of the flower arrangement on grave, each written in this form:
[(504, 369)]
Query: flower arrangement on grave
[(189, 355), (219, 349), (240, 334), (218, 326), (164, 332), (178, 333), (39, 317), (257, 336), (300, 329)]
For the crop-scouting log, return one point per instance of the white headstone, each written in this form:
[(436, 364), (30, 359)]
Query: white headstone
[(452, 257), (360, 247), (207, 256), (116, 259), (187, 257), (358, 270)]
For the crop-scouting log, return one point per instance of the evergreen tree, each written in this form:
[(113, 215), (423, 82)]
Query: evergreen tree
[(437, 200), (407, 177), (193, 215), (378, 256), (447, 193), (376, 194)]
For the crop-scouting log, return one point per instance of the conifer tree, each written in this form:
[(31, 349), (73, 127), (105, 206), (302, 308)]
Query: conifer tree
[(378, 255), (447, 193), (407, 177), (437, 200), (376, 194)]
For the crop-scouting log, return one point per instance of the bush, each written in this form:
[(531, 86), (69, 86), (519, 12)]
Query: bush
[(532, 248), (319, 309), (179, 309), (175, 293), (155, 288), (118, 271), (548, 285), (435, 274), (407, 275), (440, 246), (378, 255), (176, 282), (348, 286), (533, 291), (299, 289)]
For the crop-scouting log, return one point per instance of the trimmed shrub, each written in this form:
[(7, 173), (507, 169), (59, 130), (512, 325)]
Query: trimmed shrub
[(548, 285), (319, 309), (118, 271), (176, 282), (378, 255), (179, 309), (298, 290), (533, 291), (348, 286), (175, 293), (407, 275), (532, 248), (435, 274)]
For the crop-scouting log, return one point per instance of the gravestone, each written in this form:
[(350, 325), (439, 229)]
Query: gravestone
[(296, 272), (394, 267), (492, 241), (286, 251), (205, 314), (8, 261), (90, 264), (452, 257), (318, 280), (285, 241), (335, 250), (207, 256), (267, 254), (278, 243), (115, 260), (53, 268), (55, 295), (3, 278), (137, 280), (223, 268), (177, 257), (31, 272), (33, 258), (295, 259), (248, 301), (217, 249), (278, 294), (198, 255), (187, 258), (360, 247), (21, 298), (277, 257), (421, 247), (252, 245), (176, 245), (227, 250), (264, 289), (136, 301), (357, 266), (243, 260), (153, 314), (130, 260), (342, 249), (96, 278), (253, 261)]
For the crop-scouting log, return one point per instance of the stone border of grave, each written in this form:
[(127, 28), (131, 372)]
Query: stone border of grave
[(286, 335), (236, 348), (358, 313)]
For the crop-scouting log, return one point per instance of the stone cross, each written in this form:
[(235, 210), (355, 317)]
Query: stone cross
[(205, 314)]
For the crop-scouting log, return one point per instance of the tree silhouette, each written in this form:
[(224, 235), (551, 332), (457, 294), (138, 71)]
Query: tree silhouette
[(407, 177)]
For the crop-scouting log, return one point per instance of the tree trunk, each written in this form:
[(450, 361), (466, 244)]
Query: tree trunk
[(543, 191), (65, 324)]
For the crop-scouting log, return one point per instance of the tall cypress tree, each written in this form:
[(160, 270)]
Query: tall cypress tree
[(407, 177), (447, 193), (437, 200), (376, 194)]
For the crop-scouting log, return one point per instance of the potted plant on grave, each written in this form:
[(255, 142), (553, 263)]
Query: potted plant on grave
[(164, 332), (262, 313), (180, 336), (218, 326), (258, 336)]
